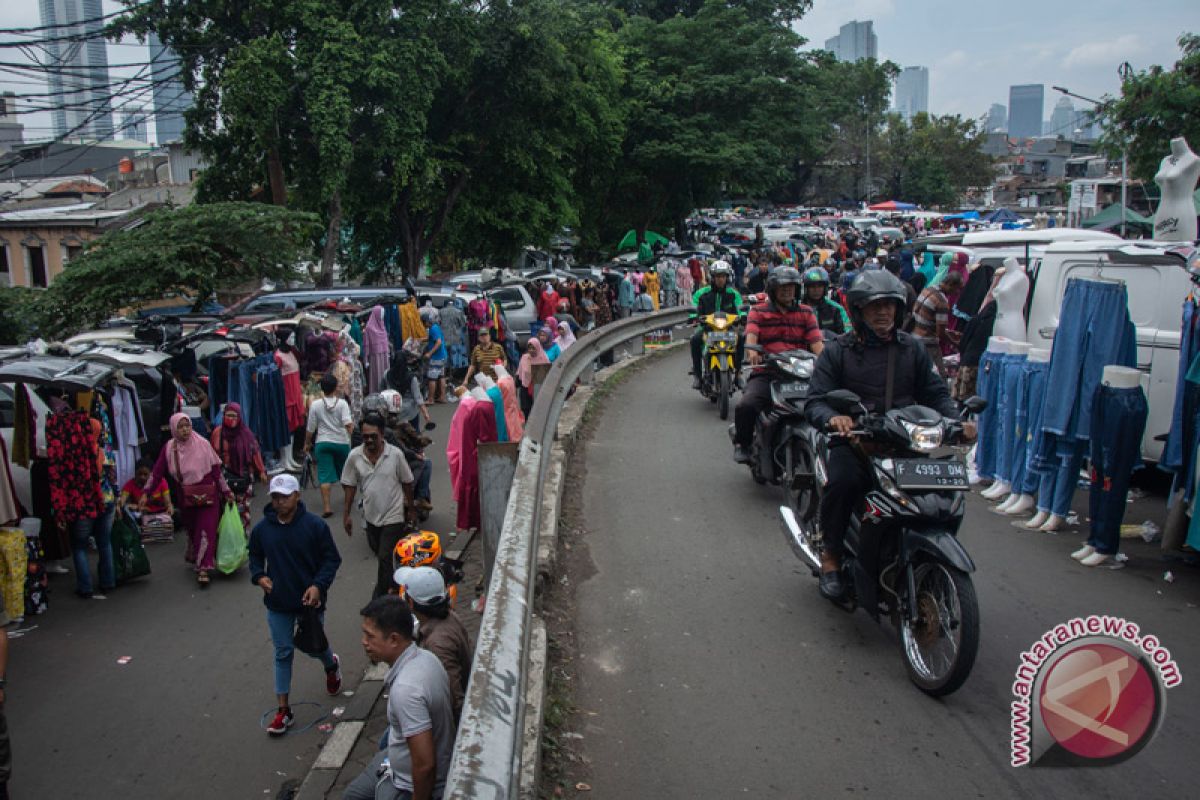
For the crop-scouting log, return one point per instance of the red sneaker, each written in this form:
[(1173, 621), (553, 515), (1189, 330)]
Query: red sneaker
[(283, 720), (333, 677)]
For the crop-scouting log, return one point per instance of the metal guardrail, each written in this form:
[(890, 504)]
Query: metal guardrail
[(487, 754)]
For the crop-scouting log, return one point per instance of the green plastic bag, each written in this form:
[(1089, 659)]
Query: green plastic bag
[(129, 556), (232, 550)]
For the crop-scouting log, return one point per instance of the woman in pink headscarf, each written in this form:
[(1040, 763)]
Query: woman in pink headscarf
[(195, 469), (377, 350), (237, 447), (565, 337), (534, 354)]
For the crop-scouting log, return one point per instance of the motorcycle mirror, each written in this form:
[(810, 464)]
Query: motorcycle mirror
[(843, 401), (757, 348), (975, 404)]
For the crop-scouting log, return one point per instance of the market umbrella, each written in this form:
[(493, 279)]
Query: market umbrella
[(892, 205), (1110, 218), (964, 215), (652, 238), (1002, 215)]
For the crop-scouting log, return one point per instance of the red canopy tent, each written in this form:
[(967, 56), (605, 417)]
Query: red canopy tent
[(891, 205)]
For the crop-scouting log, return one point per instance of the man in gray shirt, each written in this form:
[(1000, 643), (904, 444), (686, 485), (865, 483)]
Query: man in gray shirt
[(381, 473), (419, 710)]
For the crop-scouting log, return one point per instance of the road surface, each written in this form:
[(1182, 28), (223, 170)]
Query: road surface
[(710, 667)]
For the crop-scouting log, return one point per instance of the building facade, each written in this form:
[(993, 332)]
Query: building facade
[(12, 131), (997, 119), (1025, 104), (80, 84), (912, 92), (854, 42), (170, 98)]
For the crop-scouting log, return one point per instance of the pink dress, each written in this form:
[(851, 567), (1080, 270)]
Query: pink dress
[(514, 420), (454, 439), (478, 426), (293, 393)]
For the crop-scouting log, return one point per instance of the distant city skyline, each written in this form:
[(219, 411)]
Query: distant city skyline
[(80, 82), (855, 41), (911, 93)]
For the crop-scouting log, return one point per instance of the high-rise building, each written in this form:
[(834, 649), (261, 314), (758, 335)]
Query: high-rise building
[(997, 119), (79, 79), (133, 125), (12, 132), (1085, 124), (912, 92), (854, 42), (170, 98), (1025, 106), (1062, 118)]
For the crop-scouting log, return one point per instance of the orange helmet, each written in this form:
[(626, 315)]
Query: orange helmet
[(417, 550)]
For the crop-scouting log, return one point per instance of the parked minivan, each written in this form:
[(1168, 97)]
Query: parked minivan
[(1156, 280)]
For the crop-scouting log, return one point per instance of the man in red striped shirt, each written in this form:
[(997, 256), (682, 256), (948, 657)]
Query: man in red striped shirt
[(779, 324)]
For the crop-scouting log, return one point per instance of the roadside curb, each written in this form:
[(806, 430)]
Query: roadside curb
[(336, 749)]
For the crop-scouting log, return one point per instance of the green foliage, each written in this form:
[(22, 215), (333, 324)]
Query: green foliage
[(1155, 106), (191, 251), (19, 314), (932, 160)]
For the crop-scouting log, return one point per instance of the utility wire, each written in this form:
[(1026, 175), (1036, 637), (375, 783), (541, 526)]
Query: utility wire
[(102, 18)]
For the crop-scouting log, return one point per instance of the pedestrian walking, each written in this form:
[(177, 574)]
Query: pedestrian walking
[(484, 357), (237, 447), (380, 472), (294, 560), (420, 712), (439, 629), (190, 461), (329, 427)]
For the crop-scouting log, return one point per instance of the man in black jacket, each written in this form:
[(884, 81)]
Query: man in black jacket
[(859, 361)]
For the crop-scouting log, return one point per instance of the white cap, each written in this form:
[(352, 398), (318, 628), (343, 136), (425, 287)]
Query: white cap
[(425, 585), (284, 484)]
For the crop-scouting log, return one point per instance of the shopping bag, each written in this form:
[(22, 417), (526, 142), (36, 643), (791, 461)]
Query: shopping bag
[(232, 550), (129, 556), (310, 636)]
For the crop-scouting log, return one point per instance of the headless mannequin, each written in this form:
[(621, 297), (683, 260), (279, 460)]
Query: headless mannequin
[(1010, 294), (997, 345), (1001, 487), (480, 395), (484, 381), (1018, 503), (1175, 220), (501, 372), (1119, 378)]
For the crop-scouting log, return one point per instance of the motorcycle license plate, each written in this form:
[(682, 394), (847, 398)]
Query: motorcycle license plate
[(723, 337), (928, 473), (793, 389)]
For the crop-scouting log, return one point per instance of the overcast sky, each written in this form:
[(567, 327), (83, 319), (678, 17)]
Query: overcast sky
[(974, 49)]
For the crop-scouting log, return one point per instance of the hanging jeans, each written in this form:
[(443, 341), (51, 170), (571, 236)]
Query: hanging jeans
[(1094, 331), (989, 421), (1119, 416), (1008, 396), (1030, 396), (1059, 475), (1176, 452), (100, 529)]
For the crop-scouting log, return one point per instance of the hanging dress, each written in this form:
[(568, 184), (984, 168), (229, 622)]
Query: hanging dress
[(293, 393), (454, 439), (377, 349), (479, 426), (497, 397), (514, 420)]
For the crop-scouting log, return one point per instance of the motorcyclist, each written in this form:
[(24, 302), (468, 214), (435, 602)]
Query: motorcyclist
[(719, 295), (781, 323), (859, 361), (830, 316)]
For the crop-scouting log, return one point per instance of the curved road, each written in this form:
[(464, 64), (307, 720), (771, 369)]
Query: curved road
[(710, 667)]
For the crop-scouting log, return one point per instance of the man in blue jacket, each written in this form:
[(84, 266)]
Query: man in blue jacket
[(293, 559)]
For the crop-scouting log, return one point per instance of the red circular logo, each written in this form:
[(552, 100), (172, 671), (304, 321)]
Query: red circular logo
[(1098, 701)]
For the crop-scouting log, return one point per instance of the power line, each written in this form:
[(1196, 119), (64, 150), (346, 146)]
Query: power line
[(102, 18)]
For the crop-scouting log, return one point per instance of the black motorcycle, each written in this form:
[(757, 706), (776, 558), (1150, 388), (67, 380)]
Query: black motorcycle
[(902, 555), (781, 426)]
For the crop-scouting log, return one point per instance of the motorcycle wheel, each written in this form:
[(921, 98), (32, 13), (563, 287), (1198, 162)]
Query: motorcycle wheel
[(939, 648), (726, 390)]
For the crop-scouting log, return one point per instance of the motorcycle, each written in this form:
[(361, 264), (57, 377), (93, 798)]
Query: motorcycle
[(781, 431), (902, 555), (717, 362)]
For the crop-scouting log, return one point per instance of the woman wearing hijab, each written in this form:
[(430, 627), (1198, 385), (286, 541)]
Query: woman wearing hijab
[(237, 447), (534, 354), (192, 464), (565, 337), (549, 346), (377, 348)]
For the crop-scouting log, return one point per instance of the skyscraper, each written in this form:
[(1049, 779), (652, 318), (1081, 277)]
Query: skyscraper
[(133, 125), (1025, 105), (79, 76), (854, 42), (997, 119), (1062, 119), (170, 98), (912, 92)]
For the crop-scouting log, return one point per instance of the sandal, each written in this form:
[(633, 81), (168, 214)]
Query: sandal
[(202, 579)]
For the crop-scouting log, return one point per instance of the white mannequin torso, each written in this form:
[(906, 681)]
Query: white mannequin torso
[(998, 344), (1010, 295), (484, 381), (480, 394), (1039, 355), (1018, 348), (1175, 220), (1121, 377), (501, 372)]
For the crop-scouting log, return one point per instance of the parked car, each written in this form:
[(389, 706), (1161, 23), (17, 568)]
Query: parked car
[(275, 303)]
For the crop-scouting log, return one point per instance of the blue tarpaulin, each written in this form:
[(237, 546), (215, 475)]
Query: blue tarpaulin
[(1002, 215), (963, 215)]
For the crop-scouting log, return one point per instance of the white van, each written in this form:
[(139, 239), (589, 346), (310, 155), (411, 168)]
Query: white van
[(1156, 281)]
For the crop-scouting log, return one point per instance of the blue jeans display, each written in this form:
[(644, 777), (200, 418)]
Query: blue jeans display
[(1094, 331), (1026, 480), (1119, 419), (283, 628), (1008, 399), (1178, 448), (1059, 476), (988, 423), (100, 529)]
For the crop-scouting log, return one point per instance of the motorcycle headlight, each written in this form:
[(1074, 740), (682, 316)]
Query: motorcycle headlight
[(924, 438), (720, 323), (800, 367)]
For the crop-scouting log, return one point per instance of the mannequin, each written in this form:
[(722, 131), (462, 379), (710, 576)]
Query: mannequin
[(501, 372), (484, 381), (1002, 486), (1175, 220), (480, 395), (997, 345), (1010, 294), (1121, 377), (1019, 503)]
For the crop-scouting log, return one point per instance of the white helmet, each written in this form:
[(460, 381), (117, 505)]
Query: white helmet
[(720, 268), (392, 400)]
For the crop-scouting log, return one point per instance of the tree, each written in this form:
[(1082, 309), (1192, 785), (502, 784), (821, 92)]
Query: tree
[(1156, 105), (931, 160), (192, 251), (19, 314)]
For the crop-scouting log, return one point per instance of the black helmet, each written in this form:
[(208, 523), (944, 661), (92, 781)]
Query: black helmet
[(782, 276), (872, 285)]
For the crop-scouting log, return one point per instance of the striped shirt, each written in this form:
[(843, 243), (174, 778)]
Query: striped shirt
[(484, 359), (779, 330), (930, 310)]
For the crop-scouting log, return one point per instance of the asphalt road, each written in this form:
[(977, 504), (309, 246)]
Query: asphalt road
[(183, 718), (710, 667)]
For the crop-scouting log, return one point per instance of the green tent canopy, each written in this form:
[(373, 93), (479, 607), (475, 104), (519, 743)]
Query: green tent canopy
[(652, 238), (1110, 218)]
